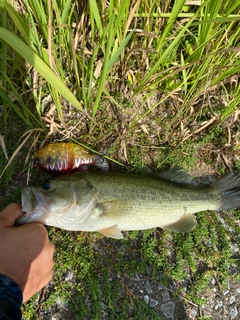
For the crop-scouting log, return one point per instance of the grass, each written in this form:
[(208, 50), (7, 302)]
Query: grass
[(153, 84)]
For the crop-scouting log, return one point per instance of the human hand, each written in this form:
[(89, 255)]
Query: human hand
[(26, 253)]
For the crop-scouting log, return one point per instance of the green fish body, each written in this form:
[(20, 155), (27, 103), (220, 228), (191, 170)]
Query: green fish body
[(115, 202)]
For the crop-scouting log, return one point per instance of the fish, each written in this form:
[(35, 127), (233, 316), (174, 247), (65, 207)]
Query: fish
[(65, 157), (111, 202)]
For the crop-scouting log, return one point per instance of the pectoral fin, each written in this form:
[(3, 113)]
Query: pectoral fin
[(112, 232), (186, 224)]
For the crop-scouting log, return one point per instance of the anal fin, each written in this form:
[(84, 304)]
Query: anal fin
[(112, 232), (185, 224)]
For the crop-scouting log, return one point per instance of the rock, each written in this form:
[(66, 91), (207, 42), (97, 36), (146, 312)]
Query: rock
[(137, 277), (234, 247), (56, 316), (153, 303), (160, 287), (168, 309), (193, 313), (172, 287), (233, 313), (232, 299), (62, 303), (218, 305), (146, 299), (165, 295), (103, 306), (148, 287), (69, 276)]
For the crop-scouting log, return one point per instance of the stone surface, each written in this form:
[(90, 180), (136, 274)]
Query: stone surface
[(165, 295), (233, 313), (168, 309), (153, 303), (148, 287), (146, 299)]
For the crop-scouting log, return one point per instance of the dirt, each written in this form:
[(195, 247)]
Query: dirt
[(218, 305)]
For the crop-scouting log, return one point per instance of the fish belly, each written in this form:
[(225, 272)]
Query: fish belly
[(140, 216)]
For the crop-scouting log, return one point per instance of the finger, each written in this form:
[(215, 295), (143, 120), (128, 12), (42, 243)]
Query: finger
[(10, 214)]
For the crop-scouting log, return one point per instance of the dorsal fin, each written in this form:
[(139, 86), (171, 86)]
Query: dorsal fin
[(179, 176)]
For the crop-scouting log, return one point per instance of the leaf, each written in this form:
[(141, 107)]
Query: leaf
[(33, 58), (117, 53)]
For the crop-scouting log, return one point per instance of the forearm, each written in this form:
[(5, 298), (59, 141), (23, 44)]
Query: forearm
[(10, 299)]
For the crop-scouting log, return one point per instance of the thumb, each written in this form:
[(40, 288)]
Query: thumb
[(10, 214)]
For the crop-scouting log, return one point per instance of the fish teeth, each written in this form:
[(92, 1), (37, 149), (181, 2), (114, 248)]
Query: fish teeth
[(60, 166), (52, 166), (77, 162)]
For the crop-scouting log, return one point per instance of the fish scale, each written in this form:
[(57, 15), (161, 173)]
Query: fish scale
[(113, 202), (158, 204)]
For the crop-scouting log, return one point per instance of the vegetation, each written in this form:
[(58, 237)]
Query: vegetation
[(154, 84)]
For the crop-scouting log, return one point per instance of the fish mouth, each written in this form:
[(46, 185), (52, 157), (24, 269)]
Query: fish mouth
[(28, 199), (34, 204)]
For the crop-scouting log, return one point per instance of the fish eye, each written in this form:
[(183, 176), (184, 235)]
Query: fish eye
[(49, 159), (36, 160), (46, 185)]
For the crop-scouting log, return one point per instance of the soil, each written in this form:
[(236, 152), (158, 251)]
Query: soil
[(219, 305)]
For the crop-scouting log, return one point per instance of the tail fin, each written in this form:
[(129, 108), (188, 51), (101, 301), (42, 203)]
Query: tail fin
[(102, 163), (229, 187)]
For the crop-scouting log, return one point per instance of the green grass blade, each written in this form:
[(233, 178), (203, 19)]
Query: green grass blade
[(231, 108), (119, 50), (19, 22), (31, 56), (21, 112), (174, 15), (105, 67), (66, 10), (184, 73), (219, 19), (37, 9), (95, 12), (4, 66), (165, 54)]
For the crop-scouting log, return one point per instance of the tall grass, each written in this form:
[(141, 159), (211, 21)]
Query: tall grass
[(77, 51)]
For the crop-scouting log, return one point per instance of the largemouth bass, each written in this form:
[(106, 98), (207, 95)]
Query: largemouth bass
[(114, 202), (65, 157)]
